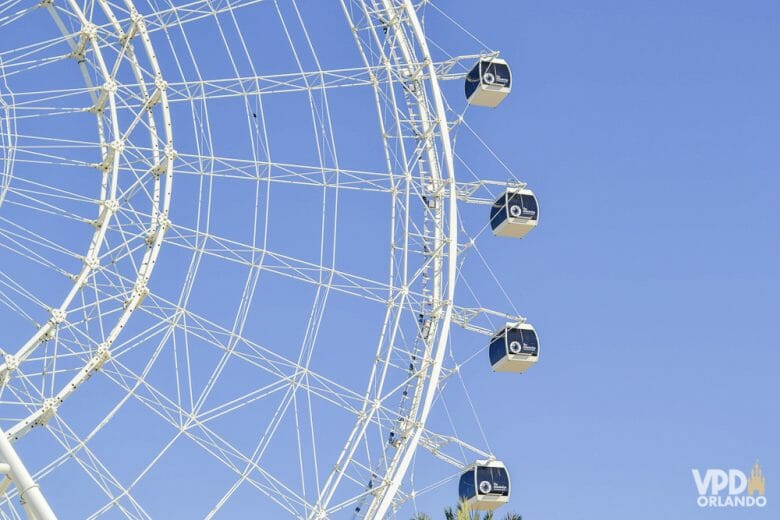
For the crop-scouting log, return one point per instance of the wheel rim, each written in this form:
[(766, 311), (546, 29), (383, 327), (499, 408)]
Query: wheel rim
[(148, 363)]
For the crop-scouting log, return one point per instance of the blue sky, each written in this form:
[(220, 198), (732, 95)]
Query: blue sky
[(649, 131)]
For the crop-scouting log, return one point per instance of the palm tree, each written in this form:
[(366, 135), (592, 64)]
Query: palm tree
[(464, 512)]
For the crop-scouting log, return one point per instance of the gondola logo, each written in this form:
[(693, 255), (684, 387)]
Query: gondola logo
[(730, 488)]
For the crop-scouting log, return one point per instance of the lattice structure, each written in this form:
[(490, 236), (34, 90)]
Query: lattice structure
[(277, 333)]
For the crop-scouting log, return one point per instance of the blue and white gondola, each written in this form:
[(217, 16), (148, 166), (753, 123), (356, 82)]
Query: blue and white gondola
[(515, 213), (488, 83), (484, 485), (514, 348)]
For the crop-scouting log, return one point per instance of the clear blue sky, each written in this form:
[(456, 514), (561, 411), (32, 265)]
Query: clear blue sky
[(650, 131)]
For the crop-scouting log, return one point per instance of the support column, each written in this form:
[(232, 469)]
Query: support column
[(30, 495)]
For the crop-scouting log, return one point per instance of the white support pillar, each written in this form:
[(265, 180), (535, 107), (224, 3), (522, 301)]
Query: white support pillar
[(30, 495)]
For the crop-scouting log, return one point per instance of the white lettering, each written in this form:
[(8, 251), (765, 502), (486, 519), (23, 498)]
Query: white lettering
[(702, 484), (720, 480), (713, 482), (734, 476)]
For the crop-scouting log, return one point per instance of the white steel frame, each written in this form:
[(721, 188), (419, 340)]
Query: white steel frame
[(105, 104), (405, 65)]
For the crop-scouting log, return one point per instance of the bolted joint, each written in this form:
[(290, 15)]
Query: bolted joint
[(139, 293), (163, 222), (48, 409), (170, 152), (137, 19), (160, 86), (110, 86), (11, 362), (103, 352), (97, 361), (57, 316), (92, 262), (89, 31), (160, 83), (111, 205), (118, 146)]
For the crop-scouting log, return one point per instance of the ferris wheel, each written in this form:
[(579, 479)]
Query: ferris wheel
[(231, 233)]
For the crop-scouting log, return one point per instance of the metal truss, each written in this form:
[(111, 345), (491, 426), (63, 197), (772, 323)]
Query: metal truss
[(88, 110)]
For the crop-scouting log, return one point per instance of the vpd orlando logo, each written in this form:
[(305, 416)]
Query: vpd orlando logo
[(730, 488)]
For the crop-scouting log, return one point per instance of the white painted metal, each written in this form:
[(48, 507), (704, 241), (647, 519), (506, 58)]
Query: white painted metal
[(112, 152), (161, 154), (383, 501), (7, 137), (29, 492), (411, 76), (420, 171)]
